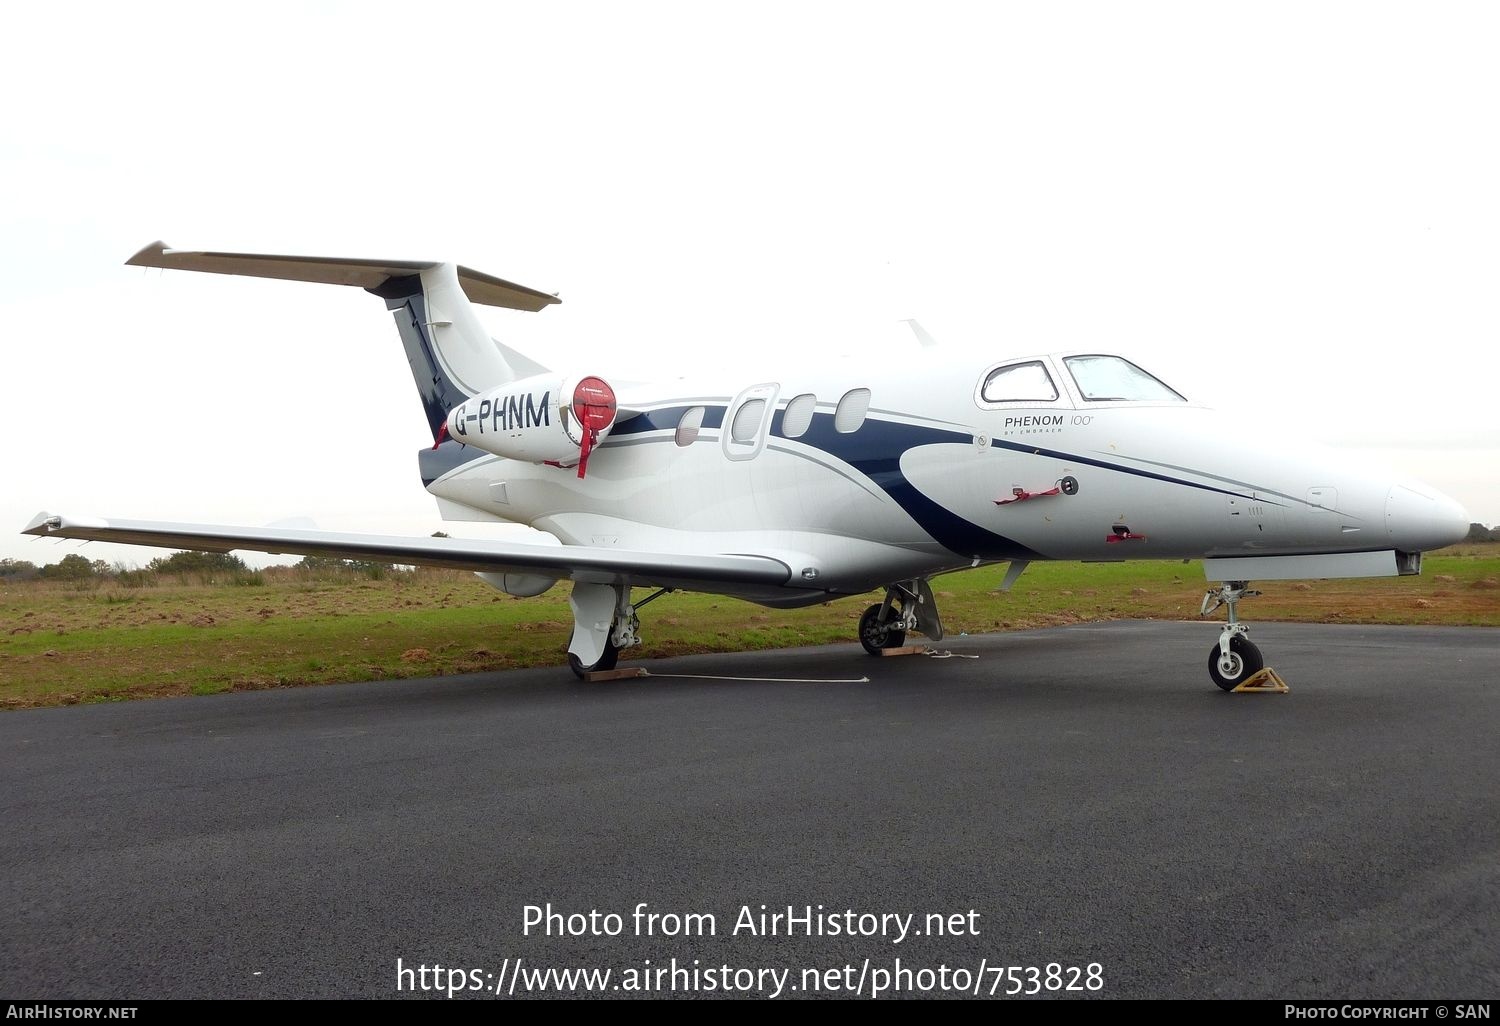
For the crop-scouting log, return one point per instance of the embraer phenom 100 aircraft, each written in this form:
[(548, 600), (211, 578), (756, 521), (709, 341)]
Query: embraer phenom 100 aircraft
[(824, 482)]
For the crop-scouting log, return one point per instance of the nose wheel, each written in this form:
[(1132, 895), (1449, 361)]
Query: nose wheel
[(1229, 670), (1235, 658)]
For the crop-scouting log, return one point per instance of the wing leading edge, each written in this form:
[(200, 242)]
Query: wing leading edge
[(565, 562)]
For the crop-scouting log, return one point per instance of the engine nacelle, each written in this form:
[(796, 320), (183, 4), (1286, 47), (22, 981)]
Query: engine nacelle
[(547, 418)]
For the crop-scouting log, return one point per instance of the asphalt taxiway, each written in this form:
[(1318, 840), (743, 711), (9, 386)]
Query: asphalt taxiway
[(1079, 795)]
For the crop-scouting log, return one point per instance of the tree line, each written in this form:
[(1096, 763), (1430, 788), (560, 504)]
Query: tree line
[(74, 567)]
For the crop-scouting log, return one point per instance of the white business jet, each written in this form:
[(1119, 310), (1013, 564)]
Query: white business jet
[(824, 482)]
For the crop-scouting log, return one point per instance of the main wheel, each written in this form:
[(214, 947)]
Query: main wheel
[(606, 661), (875, 635), (1245, 660)]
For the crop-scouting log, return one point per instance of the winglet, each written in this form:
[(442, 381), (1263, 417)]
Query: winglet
[(43, 524)]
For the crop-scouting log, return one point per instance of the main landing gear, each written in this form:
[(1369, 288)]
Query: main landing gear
[(604, 624), (908, 606), (1235, 658)]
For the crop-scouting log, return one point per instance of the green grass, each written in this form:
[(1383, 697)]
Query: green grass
[(63, 644)]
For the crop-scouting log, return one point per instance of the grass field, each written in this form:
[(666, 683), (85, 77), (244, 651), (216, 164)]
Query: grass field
[(64, 643)]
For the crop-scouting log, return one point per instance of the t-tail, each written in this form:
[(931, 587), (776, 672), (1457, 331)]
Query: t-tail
[(452, 356)]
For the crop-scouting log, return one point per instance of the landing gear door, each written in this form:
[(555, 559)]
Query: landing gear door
[(748, 420)]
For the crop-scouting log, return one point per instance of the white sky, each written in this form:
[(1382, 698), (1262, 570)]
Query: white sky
[(1290, 210)]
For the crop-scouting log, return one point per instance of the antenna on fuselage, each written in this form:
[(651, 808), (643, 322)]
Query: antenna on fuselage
[(927, 341)]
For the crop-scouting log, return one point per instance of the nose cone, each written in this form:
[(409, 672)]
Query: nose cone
[(1420, 518)]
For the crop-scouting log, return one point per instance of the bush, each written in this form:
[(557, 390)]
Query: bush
[(71, 567), (137, 578), (319, 565), (198, 563), (18, 569)]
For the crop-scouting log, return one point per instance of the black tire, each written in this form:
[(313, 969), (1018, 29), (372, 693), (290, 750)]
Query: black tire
[(1248, 662), (606, 661), (874, 635)]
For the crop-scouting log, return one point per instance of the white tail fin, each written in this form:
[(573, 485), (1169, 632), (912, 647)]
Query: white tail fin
[(451, 354)]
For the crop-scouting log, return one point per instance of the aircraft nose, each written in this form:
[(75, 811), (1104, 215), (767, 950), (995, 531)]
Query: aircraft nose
[(1420, 518)]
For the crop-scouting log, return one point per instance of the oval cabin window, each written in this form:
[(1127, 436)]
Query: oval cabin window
[(689, 425), (851, 411), (799, 415)]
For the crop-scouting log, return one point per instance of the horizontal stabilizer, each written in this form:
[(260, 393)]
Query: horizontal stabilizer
[(574, 562), (366, 274)]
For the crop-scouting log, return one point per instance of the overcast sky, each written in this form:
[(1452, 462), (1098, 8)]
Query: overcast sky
[(1287, 210)]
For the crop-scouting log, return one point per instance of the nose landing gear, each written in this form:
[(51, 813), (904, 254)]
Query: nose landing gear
[(1235, 658)]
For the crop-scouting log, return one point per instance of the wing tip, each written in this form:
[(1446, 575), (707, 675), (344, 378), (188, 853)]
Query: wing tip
[(142, 257), (43, 523)]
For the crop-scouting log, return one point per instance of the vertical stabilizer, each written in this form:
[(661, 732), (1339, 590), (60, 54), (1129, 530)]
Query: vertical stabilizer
[(452, 356)]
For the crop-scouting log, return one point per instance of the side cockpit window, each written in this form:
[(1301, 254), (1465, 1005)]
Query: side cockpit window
[(1019, 383), (1113, 378)]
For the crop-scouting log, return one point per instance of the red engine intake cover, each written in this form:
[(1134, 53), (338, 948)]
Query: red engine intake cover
[(594, 405)]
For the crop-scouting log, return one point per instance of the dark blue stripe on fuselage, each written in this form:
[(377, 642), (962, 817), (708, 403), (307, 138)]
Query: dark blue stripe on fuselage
[(666, 419), (875, 451), (1069, 457)]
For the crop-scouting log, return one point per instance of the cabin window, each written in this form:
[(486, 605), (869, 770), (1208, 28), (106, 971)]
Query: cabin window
[(851, 411), (1105, 378), (747, 421), (1019, 383), (799, 415), (689, 426)]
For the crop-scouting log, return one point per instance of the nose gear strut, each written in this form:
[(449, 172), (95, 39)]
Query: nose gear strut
[(1235, 657)]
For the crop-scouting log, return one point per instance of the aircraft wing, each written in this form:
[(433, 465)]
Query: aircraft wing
[(564, 562)]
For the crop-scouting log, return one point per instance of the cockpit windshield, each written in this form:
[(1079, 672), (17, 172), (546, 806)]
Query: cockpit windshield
[(1106, 378)]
